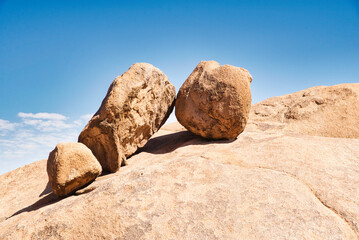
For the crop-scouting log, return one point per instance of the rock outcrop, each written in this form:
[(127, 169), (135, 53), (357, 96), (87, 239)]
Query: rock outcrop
[(71, 166), (322, 111), (269, 183), (214, 101), (136, 105)]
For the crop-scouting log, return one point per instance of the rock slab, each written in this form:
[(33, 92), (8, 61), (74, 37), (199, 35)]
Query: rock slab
[(270, 183), (328, 111), (136, 105), (71, 166), (214, 101)]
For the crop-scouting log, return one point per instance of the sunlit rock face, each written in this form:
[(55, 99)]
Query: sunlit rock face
[(71, 166), (214, 101), (271, 182), (136, 105)]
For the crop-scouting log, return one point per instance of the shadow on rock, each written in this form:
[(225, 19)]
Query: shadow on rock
[(46, 190), (170, 142), (47, 200)]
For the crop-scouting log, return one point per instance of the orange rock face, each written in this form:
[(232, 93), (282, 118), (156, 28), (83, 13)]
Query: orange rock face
[(136, 105), (71, 166), (214, 102)]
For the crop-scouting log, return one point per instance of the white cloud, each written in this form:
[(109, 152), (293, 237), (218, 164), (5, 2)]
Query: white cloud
[(7, 125), (83, 119), (50, 116), (86, 117), (46, 122), (47, 125), (34, 137)]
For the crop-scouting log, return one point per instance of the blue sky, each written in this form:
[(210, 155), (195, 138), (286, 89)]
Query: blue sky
[(57, 58)]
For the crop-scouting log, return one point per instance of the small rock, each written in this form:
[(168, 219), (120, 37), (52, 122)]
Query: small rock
[(319, 101), (70, 166), (136, 105), (214, 102)]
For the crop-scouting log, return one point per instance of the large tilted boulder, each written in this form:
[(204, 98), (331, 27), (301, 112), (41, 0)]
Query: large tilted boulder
[(136, 105), (214, 102), (71, 166)]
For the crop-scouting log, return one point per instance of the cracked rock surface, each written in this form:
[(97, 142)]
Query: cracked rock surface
[(269, 183)]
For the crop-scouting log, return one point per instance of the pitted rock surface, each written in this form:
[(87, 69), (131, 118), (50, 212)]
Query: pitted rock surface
[(214, 101), (136, 105), (71, 166)]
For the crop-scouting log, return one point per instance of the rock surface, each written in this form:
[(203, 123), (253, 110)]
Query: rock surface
[(269, 183), (214, 101), (136, 105), (71, 166), (322, 111)]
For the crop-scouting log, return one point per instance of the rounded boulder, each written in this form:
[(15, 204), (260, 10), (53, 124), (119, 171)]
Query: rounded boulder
[(214, 102)]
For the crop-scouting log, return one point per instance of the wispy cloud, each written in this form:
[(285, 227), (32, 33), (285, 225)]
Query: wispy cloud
[(50, 116), (83, 119), (5, 125), (48, 125), (46, 122), (86, 117), (34, 136)]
